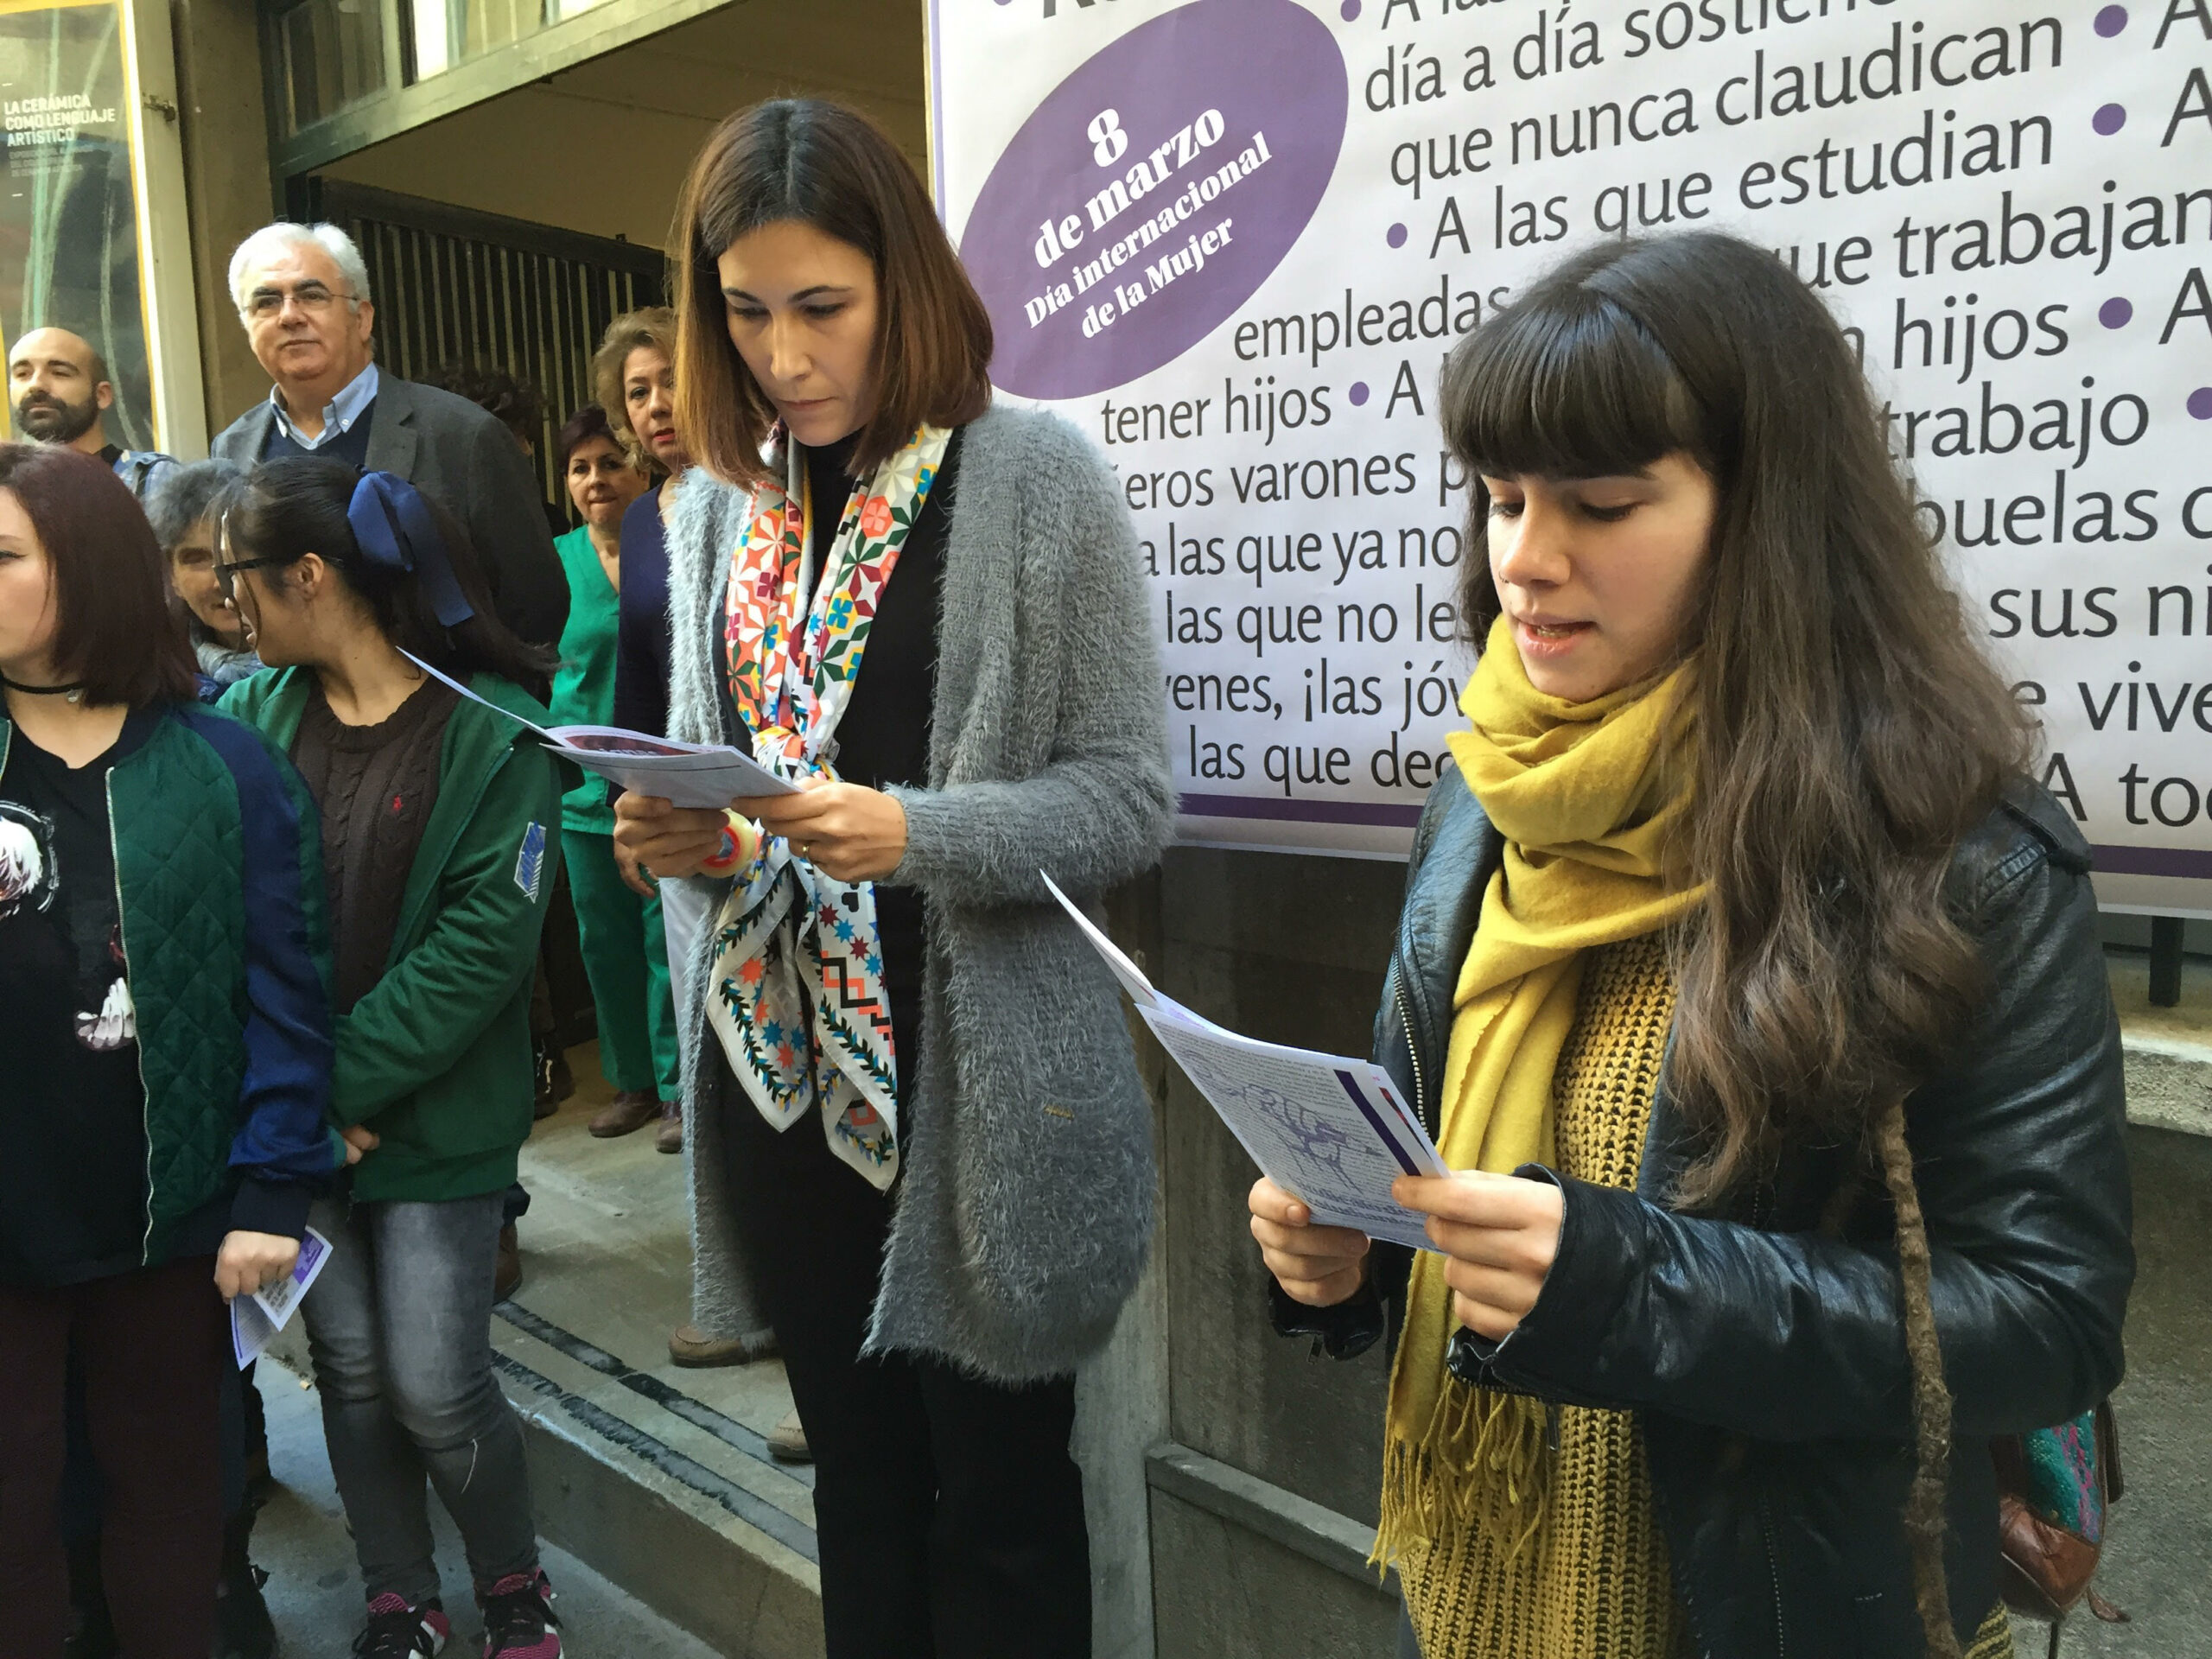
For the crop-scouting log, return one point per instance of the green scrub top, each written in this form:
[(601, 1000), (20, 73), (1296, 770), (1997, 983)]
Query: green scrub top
[(583, 687)]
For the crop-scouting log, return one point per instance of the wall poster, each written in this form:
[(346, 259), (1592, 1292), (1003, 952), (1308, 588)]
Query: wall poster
[(69, 210), (1231, 240)]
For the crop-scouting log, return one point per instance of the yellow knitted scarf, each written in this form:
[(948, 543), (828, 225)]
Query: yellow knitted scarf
[(1588, 796)]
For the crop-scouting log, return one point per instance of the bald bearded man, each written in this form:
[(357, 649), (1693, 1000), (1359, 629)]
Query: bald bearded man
[(60, 391)]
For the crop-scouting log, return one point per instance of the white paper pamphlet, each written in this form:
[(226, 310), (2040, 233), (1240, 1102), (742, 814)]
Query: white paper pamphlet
[(255, 1319), (1326, 1128), (685, 774)]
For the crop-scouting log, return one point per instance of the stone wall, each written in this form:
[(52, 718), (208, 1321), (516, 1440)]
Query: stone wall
[(1263, 1504)]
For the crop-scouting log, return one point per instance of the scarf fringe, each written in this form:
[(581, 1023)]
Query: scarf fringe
[(1435, 1487)]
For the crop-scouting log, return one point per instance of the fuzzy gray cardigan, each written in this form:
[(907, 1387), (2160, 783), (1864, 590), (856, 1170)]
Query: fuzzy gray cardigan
[(1024, 1203)]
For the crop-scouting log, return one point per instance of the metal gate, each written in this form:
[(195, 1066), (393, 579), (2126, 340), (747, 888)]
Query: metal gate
[(452, 287)]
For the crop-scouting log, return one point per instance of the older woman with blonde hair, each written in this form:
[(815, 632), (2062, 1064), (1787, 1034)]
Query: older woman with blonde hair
[(620, 930), (633, 377), (633, 371)]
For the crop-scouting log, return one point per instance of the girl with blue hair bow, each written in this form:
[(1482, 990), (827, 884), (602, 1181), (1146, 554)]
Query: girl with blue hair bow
[(439, 834)]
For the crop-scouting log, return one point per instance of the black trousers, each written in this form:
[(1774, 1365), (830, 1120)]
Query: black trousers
[(949, 1511)]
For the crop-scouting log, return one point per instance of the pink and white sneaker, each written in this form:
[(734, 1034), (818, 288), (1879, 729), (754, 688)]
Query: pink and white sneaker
[(399, 1630), (519, 1621)]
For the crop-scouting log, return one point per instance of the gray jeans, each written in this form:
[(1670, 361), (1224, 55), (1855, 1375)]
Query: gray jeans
[(399, 1328)]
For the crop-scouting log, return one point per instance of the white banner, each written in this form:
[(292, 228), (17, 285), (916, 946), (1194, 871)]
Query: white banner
[(1231, 240)]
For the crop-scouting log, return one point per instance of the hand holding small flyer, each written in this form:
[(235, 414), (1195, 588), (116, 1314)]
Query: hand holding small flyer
[(698, 775), (255, 1319), (1329, 1129)]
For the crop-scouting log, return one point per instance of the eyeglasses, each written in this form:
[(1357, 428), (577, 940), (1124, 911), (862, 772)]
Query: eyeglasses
[(227, 574), (264, 304), (226, 569)]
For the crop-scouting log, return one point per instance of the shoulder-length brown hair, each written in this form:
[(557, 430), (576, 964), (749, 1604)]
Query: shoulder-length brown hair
[(653, 326), (832, 167), (114, 631)]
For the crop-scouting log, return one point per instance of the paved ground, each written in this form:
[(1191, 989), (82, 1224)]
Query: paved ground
[(315, 1591), (607, 1261)]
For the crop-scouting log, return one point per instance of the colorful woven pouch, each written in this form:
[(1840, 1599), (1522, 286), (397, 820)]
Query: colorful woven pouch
[(2054, 1487)]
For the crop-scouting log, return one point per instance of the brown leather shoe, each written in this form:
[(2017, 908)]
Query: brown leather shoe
[(628, 1112), (692, 1348), (506, 1272), (787, 1441), (669, 1136)]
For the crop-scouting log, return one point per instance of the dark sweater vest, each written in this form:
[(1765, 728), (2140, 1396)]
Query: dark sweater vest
[(351, 446)]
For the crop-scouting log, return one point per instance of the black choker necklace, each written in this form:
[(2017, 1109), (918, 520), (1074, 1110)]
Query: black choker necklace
[(74, 693)]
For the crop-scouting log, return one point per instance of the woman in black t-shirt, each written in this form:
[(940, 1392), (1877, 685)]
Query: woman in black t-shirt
[(167, 1038)]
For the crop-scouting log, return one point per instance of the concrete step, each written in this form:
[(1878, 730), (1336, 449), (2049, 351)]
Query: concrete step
[(315, 1595), (2169, 1050), (683, 1518), (657, 1475)]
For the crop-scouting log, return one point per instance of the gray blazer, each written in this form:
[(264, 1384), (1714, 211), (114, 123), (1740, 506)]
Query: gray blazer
[(1025, 1206), (448, 448)]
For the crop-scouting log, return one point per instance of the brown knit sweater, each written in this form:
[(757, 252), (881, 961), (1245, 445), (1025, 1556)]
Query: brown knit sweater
[(1592, 1582)]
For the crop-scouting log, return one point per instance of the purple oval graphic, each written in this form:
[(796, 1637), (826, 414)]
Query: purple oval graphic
[(1153, 191)]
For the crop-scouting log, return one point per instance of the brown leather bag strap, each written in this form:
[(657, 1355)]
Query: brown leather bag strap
[(2107, 1426)]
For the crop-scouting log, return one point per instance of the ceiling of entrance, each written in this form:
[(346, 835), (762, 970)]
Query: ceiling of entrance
[(602, 148)]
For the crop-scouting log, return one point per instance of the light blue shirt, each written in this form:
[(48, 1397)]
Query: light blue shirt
[(338, 415)]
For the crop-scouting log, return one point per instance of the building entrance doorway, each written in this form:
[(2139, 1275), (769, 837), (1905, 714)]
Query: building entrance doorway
[(456, 288)]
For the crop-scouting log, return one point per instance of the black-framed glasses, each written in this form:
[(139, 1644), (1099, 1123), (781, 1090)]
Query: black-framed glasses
[(227, 574), (226, 569)]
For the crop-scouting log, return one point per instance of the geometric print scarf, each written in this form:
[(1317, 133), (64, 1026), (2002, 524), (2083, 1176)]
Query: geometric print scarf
[(797, 998)]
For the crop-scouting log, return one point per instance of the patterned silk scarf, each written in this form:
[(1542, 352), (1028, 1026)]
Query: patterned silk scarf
[(799, 999)]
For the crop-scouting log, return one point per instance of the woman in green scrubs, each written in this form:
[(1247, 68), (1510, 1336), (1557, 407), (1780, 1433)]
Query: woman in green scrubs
[(620, 928)]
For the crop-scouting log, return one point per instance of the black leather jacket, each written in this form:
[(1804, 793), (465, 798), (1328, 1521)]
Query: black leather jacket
[(1767, 1360)]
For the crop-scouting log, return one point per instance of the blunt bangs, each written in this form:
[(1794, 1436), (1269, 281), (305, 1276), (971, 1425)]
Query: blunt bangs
[(1566, 383)]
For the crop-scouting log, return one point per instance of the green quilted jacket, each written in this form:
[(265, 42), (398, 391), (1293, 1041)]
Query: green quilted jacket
[(219, 885), (436, 1057)]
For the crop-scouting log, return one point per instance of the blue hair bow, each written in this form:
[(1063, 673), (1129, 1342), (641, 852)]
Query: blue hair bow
[(394, 527)]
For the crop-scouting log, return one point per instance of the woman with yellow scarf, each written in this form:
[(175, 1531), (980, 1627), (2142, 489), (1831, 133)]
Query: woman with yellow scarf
[(1754, 993)]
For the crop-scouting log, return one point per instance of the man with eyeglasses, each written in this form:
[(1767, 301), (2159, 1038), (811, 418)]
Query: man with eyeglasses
[(302, 292), (60, 391)]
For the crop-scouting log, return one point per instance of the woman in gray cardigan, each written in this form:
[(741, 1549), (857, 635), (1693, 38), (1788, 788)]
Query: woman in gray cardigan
[(920, 1149)]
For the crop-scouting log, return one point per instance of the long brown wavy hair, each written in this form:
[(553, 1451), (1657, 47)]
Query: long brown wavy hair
[(1849, 730)]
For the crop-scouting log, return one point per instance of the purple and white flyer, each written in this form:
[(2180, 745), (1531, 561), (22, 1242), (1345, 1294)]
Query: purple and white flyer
[(1231, 240), (255, 1319)]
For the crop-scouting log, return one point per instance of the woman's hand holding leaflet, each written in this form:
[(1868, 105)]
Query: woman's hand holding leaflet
[(1500, 1233), (1317, 1266), (628, 865), (249, 1261), (844, 830), (666, 840)]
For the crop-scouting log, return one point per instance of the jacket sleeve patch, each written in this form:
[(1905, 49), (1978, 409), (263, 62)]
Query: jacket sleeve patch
[(530, 861)]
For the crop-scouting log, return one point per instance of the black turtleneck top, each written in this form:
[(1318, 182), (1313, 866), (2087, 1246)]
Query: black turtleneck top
[(884, 738)]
